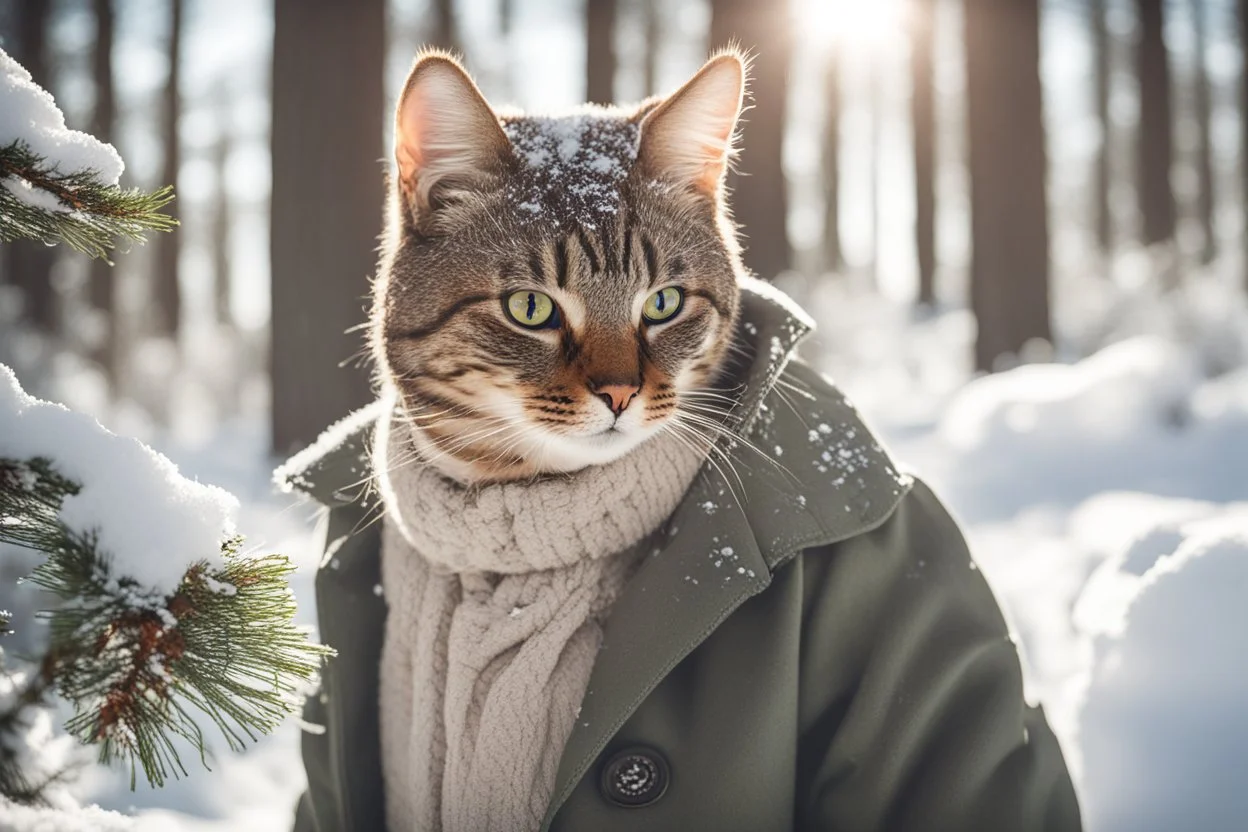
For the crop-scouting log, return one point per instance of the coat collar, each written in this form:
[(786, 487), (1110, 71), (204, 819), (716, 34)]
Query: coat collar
[(806, 472)]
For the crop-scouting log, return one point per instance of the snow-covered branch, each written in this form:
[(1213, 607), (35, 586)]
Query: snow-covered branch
[(61, 185), (164, 616)]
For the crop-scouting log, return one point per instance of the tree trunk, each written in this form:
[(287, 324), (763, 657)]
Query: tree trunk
[(1204, 158), (102, 286), (506, 17), (221, 219), (28, 264), (505, 80), (1242, 20), (1009, 222), (875, 95), (166, 287), (600, 51), (654, 38), (833, 256), (923, 121), (328, 104), (1102, 219), (760, 193), (445, 32), (1154, 192)]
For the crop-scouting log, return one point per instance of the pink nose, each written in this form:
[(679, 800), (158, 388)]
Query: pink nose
[(616, 396)]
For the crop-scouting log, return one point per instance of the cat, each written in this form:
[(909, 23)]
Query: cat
[(555, 290)]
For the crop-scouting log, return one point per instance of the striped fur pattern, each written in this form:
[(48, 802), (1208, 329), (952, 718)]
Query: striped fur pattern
[(597, 209)]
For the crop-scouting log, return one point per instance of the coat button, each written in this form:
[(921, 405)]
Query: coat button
[(635, 777)]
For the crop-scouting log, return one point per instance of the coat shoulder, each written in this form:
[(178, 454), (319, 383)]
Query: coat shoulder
[(824, 475), (335, 469)]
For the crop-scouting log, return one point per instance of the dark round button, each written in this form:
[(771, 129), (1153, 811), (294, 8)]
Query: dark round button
[(635, 777)]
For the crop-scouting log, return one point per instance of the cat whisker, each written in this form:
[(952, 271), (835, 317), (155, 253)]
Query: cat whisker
[(709, 447), (736, 347), (788, 400), (414, 419), (527, 432), (723, 431), (725, 397), (468, 440), (359, 357), (801, 389), (708, 409)]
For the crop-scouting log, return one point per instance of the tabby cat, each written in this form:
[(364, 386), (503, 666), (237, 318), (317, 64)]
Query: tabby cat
[(555, 290)]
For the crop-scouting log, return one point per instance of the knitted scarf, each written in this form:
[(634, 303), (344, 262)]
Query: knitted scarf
[(496, 596)]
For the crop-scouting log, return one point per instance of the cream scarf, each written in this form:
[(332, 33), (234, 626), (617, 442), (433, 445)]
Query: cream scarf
[(496, 596)]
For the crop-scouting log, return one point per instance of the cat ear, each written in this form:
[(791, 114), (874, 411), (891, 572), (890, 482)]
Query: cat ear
[(445, 134), (689, 137)]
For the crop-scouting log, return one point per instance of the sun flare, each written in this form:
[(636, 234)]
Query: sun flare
[(870, 24)]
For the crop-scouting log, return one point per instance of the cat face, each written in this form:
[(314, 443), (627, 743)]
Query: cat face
[(555, 290)]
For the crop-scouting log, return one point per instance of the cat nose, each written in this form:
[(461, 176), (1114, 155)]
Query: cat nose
[(616, 396)]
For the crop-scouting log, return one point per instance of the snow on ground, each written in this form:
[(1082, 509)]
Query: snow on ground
[(14, 818), (1162, 733)]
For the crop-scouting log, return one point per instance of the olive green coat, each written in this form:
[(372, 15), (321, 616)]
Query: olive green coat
[(807, 647)]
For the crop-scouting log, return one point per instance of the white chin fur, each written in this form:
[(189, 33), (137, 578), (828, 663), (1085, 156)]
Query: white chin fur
[(562, 453), (551, 452)]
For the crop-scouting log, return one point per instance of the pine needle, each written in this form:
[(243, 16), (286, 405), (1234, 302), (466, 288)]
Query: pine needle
[(93, 215)]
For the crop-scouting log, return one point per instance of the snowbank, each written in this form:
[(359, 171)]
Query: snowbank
[(1163, 732), (30, 115), (153, 522), (1137, 415), (15, 818)]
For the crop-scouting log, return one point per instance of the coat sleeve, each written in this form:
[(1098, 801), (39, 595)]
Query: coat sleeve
[(911, 695)]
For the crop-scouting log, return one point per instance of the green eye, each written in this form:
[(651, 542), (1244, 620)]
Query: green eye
[(533, 310), (663, 305)]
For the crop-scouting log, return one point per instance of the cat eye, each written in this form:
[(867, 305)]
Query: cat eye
[(532, 310), (663, 305)]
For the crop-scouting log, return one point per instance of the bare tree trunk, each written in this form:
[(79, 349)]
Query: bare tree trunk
[(1102, 218), (506, 17), (505, 80), (445, 32), (221, 219), (875, 96), (102, 287), (166, 286), (328, 57), (760, 193), (1009, 222), (28, 263), (833, 256), (1242, 20), (1154, 191), (654, 38), (923, 121), (1204, 158), (600, 51)]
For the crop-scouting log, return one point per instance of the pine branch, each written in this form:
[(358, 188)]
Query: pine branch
[(138, 667), (93, 214)]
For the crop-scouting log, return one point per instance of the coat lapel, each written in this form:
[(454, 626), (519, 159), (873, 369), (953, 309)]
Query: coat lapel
[(641, 647)]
